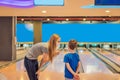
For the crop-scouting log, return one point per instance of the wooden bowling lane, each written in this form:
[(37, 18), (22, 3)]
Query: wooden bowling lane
[(111, 56), (17, 71), (92, 64), (99, 76), (55, 70), (14, 71), (83, 51), (20, 53), (57, 65), (116, 51), (47, 75)]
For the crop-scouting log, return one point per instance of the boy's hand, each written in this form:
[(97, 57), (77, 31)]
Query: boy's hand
[(76, 76)]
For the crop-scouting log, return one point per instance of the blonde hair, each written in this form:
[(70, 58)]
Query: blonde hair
[(52, 46)]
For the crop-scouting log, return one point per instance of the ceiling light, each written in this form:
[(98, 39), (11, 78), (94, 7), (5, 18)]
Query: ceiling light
[(84, 19), (107, 11), (22, 19), (67, 19), (44, 11), (48, 19)]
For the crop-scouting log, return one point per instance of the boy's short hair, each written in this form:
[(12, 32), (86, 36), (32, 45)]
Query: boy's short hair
[(72, 44)]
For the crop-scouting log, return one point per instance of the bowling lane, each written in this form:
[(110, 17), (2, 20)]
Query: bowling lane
[(19, 55), (116, 51), (92, 64), (57, 65), (111, 56), (55, 70), (16, 71)]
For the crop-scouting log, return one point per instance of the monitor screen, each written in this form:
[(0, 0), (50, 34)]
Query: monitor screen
[(49, 2), (17, 3), (107, 2)]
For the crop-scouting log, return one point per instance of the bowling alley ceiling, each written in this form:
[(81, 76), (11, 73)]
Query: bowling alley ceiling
[(70, 8)]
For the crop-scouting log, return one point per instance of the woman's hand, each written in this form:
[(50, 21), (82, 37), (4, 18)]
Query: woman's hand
[(38, 74)]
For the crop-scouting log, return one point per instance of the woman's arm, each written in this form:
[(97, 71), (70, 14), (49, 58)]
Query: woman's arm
[(44, 59)]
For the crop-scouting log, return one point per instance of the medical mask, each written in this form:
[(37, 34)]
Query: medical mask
[(58, 46)]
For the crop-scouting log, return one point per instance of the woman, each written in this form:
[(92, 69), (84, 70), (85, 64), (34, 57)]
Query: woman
[(48, 53)]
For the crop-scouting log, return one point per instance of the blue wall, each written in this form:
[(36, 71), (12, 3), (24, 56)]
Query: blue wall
[(107, 2), (24, 33), (80, 32), (83, 32)]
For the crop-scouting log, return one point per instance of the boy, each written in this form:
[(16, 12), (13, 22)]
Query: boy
[(72, 62)]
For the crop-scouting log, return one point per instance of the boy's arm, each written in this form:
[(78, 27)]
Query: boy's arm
[(78, 67), (69, 68)]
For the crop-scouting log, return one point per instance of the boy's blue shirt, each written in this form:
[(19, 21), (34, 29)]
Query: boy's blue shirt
[(72, 59)]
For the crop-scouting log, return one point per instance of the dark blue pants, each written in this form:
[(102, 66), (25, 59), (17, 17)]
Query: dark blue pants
[(31, 67)]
